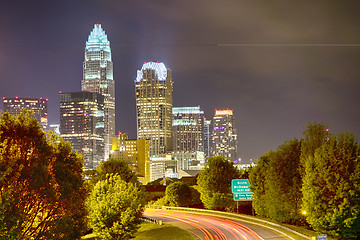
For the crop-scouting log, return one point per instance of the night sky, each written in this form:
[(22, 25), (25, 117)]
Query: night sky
[(278, 64)]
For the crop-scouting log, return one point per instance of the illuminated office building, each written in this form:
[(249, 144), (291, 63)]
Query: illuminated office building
[(38, 106), (136, 152), (82, 124), (154, 100), (98, 77), (188, 137), (207, 138), (224, 136)]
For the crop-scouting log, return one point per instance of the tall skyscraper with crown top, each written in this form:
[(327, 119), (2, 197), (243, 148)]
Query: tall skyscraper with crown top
[(154, 100), (98, 77)]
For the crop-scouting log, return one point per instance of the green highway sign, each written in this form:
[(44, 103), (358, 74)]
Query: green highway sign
[(242, 197), (240, 186)]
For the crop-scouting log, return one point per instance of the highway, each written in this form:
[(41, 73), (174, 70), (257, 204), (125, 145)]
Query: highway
[(211, 227)]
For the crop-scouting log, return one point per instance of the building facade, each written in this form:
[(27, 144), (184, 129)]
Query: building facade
[(82, 124), (224, 135), (154, 100), (188, 137), (136, 152), (207, 138), (37, 106), (98, 77)]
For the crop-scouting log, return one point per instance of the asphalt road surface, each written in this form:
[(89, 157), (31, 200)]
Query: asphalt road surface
[(213, 228)]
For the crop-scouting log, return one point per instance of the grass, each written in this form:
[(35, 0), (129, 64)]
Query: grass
[(162, 232), (154, 231)]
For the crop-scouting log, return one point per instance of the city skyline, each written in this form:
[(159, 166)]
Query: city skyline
[(279, 66)]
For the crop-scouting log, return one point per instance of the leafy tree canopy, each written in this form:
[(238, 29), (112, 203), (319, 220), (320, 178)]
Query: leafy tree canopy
[(215, 183), (113, 166), (315, 136), (42, 192), (276, 183), (179, 194), (331, 188), (115, 207)]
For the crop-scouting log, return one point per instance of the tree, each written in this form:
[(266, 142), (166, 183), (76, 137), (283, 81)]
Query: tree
[(42, 192), (315, 136), (115, 207), (179, 194), (215, 183), (276, 184), (331, 194), (257, 178), (283, 183), (114, 166)]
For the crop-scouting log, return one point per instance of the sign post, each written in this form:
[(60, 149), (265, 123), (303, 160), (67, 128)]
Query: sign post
[(240, 189)]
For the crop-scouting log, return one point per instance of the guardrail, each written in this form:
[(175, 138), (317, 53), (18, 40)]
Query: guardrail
[(150, 220), (246, 218)]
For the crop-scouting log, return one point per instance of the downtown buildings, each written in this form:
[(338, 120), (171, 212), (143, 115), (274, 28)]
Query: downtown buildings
[(178, 138), (87, 118), (136, 152), (37, 106), (98, 77)]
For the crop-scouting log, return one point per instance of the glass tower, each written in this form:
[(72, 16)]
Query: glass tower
[(82, 124), (98, 77), (188, 134), (207, 138), (224, 134), (154, 100), (188, 124)]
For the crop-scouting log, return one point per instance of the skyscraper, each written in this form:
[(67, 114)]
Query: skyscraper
[(154, 100), (188, 134), (224, 135), (82, 124), (38, 106), (207, 138), (98, 77)]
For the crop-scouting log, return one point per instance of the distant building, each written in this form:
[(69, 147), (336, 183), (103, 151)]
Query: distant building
[(188, 137), (162, 166), (188, 173), (245, 166), (38, 106), (98, 77), (82, 124), (207, 138), (135, 152), (55, 128), (154, 101), (224, 135)]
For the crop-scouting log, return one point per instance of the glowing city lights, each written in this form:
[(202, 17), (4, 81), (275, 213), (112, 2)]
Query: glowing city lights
[(223, 112), (97, 40), (160, 70)]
